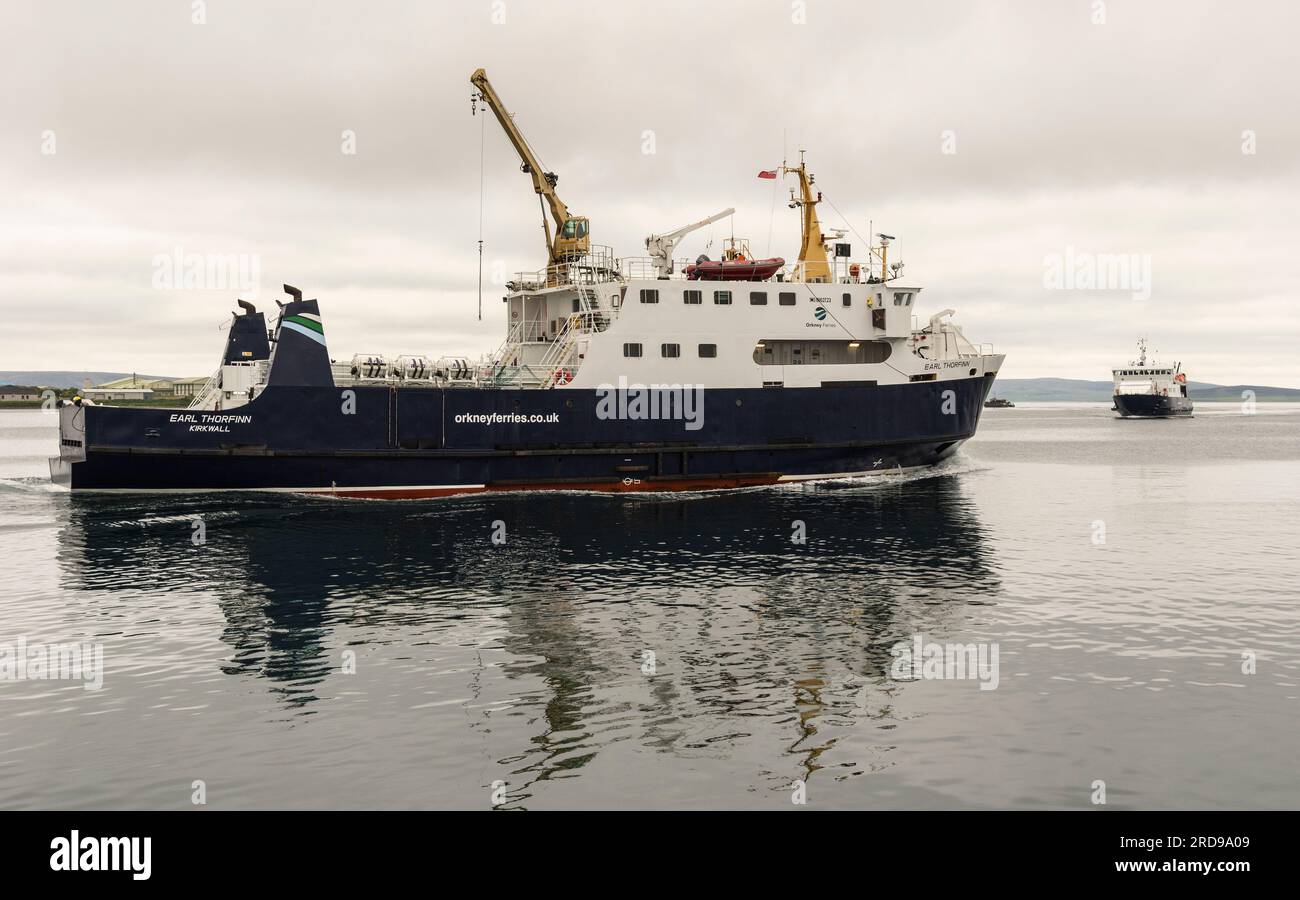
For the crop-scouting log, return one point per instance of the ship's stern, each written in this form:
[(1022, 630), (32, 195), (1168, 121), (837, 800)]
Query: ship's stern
[(72, 444)]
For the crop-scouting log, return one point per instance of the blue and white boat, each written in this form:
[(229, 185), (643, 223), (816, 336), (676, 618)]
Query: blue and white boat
[(615, 374)]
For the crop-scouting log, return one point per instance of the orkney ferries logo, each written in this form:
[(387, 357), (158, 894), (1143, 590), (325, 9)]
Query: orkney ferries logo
[(821, 314)]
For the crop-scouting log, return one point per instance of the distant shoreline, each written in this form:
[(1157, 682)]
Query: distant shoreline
[(176, 402), (168, 404)]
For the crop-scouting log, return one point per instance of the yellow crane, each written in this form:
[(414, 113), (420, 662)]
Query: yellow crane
[(571, 238)]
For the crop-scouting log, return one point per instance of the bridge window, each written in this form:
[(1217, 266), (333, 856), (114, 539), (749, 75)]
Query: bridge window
[(649, 295), (693, 298), (758, 298), (786, 298), (708, 351), (670, 351), (722, 298), (631, 349)]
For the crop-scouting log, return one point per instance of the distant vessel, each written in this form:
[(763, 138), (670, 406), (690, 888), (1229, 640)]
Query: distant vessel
[(998, 403), (1150, 391)]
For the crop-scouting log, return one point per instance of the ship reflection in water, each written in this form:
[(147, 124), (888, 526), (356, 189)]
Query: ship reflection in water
[(696, 626), (682, 651)]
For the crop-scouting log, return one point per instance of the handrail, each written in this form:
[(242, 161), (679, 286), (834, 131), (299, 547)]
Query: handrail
[(210, 389), (597, 266)]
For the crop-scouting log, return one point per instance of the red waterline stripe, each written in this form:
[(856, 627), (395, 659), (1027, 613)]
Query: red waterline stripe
[(628, 485)]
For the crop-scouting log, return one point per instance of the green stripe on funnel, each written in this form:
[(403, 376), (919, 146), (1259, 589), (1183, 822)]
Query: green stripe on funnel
[(307, 323)]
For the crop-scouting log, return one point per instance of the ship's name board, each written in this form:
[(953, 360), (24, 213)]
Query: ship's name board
[(949, 364), (209, 421)]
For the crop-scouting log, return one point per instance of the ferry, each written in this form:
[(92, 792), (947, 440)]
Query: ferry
[(644, 373), (1150, 391)]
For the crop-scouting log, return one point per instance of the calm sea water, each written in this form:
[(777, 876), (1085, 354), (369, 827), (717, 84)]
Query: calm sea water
[(1120, 568)]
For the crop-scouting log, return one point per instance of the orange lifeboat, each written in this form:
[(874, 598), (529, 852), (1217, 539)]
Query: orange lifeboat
[(737, 269)]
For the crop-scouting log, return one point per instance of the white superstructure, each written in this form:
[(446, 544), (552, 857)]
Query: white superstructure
[(1139, 377), (610, 323), (601, 319)]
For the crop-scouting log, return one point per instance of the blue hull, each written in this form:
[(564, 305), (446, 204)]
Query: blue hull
[(398, 442), (1155, 406)]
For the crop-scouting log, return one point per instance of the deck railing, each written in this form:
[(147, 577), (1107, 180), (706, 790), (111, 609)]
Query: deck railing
[(596, 266)]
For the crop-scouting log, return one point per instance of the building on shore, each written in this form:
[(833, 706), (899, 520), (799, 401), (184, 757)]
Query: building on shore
[(189, 387), (130, 387), (17, 392), (99, 394)]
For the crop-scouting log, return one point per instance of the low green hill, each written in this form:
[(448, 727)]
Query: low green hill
[(1077, 389)]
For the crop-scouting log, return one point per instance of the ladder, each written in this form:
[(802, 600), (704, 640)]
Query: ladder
[(559, 354), (590, 317), (211, 392)]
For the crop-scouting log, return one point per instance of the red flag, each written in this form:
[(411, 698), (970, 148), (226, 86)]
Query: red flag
[(767, 173)]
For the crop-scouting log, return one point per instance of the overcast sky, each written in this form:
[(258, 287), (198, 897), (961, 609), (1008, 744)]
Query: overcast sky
[(1071, 135)]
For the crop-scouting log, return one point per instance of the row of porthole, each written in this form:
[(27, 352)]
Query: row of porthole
[(671, 351), (720, 298), (759, 298)]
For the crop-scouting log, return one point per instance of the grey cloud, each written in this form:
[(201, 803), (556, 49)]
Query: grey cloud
[(1123, 137)]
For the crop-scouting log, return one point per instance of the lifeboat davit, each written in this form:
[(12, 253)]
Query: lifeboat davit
[(705, 269)]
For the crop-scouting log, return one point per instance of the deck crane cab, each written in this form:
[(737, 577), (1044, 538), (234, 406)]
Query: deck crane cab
[(572, 233)]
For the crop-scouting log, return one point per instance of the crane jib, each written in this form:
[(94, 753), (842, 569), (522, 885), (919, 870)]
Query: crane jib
[(571, 232)]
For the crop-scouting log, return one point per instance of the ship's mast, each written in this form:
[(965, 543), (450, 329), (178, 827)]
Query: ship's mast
[(813, 263)]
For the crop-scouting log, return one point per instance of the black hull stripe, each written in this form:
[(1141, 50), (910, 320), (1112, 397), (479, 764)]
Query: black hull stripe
[(540, 451)]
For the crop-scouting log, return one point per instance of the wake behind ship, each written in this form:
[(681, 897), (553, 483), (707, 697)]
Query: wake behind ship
[(615, 374)]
